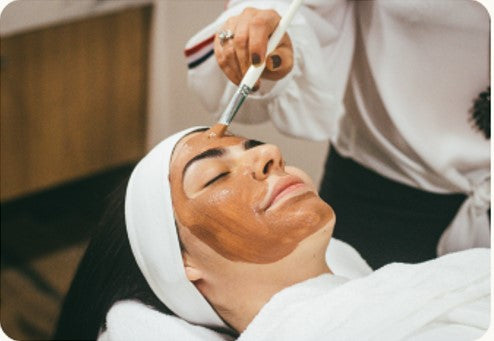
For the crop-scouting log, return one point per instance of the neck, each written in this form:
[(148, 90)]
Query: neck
[(240, 313), (239, 298)]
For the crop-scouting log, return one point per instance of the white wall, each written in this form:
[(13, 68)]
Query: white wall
[(173, 107)]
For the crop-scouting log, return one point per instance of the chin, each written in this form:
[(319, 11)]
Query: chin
[(328, 217), (312, 213), (315, 204)]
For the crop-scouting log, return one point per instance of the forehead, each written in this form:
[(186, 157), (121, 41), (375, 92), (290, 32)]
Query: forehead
[(196, 143)]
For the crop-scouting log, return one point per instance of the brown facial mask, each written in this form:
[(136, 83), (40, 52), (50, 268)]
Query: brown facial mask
[(223, 194)]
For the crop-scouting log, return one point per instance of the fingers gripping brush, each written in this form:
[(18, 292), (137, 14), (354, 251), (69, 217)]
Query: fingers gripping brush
[(253, 73)]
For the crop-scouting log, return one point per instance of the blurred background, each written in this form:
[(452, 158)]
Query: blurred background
[(87, 87)]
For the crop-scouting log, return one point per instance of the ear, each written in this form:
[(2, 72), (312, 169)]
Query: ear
[(193, 274), (191, 271)]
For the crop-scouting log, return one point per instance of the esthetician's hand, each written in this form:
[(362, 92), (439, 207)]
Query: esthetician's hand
[(251, 31)]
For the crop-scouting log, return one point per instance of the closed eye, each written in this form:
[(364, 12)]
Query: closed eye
[(219, 176)]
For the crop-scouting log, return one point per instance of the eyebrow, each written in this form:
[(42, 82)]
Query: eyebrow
[(218, 152), (248, 144), (210, 153)]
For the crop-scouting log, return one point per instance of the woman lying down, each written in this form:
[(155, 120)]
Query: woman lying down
[(221, 240)]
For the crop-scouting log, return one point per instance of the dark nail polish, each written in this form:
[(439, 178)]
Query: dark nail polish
[(256, 59), (276, 61)]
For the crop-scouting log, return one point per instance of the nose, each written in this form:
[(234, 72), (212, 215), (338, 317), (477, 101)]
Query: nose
[(264, 160)]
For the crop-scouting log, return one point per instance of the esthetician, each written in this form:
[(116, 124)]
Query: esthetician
[(219, 239), (401, 90)]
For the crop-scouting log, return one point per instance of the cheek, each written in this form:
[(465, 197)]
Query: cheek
[(300, 219), (211, 202), (228, 222), (212, 214)]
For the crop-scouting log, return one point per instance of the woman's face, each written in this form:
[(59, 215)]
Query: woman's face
[(237, 196)]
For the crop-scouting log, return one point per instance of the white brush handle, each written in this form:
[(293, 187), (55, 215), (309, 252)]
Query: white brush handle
[(254, 72)]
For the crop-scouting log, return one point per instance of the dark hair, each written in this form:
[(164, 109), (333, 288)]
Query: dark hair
[(106, 274)]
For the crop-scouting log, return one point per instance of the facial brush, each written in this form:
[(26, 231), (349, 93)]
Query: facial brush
[(254, 72)]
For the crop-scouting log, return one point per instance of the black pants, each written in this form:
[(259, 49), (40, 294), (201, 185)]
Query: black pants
[(384, 220)]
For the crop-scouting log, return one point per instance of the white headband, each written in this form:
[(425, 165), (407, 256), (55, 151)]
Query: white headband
[(153, 235)]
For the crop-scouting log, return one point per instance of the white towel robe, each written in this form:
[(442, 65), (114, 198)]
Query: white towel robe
[(443, 299), (133, 321), (410, 90)]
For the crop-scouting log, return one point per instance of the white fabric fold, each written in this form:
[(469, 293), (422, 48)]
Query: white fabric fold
[(309, 76), (132, 320), (415, 135), (470, 227), (153, 236), (434, 300), (443, 299), (345, 261)]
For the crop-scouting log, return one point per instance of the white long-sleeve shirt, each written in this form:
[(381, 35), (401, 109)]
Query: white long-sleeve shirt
[(407, 72)]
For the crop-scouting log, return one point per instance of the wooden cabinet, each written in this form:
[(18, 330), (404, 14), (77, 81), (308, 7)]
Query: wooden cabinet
[(73, 100)]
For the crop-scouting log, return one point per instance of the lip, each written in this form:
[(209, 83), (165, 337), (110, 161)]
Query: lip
[(283, 187)]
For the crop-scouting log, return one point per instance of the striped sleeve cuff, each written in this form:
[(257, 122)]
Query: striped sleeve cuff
[(200, 52)]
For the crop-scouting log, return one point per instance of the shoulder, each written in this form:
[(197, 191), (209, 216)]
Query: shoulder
[(133, 320)]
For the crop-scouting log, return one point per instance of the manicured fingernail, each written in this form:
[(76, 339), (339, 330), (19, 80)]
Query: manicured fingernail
[(276, 61), (256, 59)]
